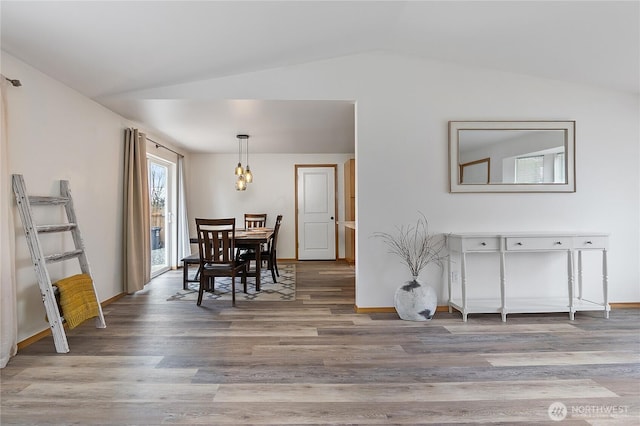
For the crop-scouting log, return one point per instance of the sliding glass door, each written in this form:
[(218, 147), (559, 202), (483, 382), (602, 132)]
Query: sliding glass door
[(161, 202)]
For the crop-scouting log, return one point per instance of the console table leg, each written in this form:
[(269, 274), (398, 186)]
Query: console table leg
[(463, 279), (571, 284), (503, 287), (580, 274), (450, 279), (605, 284)]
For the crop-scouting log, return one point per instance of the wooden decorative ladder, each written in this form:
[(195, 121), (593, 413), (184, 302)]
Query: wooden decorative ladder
[(40, 261)]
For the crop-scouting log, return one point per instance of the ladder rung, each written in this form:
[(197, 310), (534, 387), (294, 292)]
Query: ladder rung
[(56, 228), (62, 256), (37, 200)]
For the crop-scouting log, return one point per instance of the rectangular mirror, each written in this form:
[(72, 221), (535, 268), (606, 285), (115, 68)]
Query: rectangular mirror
[(512, 156)]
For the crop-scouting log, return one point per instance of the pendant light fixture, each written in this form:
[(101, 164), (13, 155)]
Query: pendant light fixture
[(244, 175)]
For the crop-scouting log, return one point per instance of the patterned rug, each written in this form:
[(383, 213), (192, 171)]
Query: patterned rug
[(284, 289)]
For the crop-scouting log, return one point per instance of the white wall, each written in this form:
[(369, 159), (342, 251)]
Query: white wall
[(403, 106), (212, 191), (56, 133)]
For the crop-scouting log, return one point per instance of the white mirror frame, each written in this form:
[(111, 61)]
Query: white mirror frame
[(454, 163)]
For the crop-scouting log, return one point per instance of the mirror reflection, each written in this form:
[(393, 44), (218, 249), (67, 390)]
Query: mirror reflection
[(512, 156)]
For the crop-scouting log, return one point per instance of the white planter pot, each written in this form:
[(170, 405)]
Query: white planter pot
[(415, 301)]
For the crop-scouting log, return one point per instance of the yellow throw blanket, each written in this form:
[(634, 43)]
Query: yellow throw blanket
[(77, 299)]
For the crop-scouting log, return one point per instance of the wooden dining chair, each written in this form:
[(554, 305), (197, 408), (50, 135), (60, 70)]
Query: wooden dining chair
[(216, 247), (252, 220), (270, 253)]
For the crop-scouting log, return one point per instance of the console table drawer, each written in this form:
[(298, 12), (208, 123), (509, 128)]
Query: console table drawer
[(538, 243), (481, 244), (591, 242)]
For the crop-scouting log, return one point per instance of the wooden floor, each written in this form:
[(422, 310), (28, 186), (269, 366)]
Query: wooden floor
[(314, 361)]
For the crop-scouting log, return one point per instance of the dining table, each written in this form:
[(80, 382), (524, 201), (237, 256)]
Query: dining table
[(253, 239)]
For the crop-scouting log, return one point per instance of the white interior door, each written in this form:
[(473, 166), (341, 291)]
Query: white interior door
[(316, 217)]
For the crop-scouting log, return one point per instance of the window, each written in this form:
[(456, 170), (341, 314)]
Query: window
[(559, 168), (530, 169)]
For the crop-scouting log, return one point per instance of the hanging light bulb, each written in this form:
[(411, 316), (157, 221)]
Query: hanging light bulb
[(239, 170), (241, 183), (247, 173)]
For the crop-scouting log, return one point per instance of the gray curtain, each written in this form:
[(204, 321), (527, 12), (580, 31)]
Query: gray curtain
[(184, 247), (8, 301), (137, 227)]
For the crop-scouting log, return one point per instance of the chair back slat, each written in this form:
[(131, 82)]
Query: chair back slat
[(255, 220)]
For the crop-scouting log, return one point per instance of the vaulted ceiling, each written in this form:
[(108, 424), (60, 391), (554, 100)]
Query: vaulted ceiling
[(107, 49)]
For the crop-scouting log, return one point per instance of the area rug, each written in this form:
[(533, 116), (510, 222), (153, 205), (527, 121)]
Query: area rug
[(283, 290)]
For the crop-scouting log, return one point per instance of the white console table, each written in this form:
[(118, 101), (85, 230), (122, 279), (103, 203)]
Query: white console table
[(461, 245)]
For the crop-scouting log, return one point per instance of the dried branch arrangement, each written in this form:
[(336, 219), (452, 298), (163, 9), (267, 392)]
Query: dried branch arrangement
[(415, 246)]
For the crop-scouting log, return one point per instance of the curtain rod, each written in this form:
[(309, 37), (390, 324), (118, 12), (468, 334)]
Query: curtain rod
[(14, 83), (159, 145)]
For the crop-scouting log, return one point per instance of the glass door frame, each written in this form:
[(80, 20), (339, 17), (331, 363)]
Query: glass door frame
[(168, 237)]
